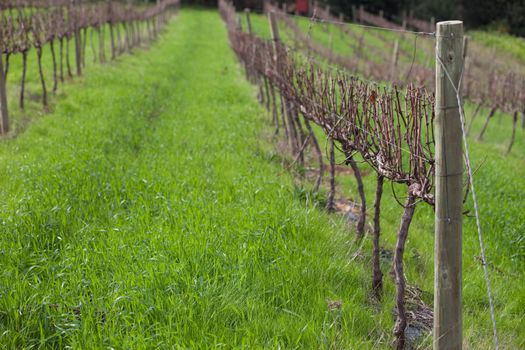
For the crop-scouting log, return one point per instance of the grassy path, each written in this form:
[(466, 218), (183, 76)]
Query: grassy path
[(143, 212)]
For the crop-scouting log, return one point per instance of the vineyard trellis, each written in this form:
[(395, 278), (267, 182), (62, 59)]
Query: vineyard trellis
[(391, 128), (488, 81), (27, 24), (326, 94)]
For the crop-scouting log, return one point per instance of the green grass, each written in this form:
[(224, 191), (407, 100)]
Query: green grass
[(150, 210), (145, 211), (506, 43), (33, 109)]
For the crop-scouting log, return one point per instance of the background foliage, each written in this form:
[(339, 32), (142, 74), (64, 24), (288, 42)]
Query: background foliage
[(503, 15)]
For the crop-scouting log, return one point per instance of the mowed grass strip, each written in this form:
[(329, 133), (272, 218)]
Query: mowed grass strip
[(147, 211)]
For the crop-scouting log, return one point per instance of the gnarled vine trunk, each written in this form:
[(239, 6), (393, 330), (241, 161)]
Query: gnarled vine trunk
[(318, 152), (361, 190), (84, 45), (377, 275), (513, 136), (6, 68), (330, 205), (267, 94), (476, 111), (53, 56), (68, 64), (61, 49), (112, 40), (491, 114), (23, 79), (41, 73), (300, 136), (102, 43), (275, 114), (286, 125), (402, 234)]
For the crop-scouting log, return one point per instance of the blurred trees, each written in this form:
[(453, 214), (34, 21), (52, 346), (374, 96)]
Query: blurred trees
[(503, 15)]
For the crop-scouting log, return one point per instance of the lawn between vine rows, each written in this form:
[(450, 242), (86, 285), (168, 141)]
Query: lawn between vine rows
[(150, 209)]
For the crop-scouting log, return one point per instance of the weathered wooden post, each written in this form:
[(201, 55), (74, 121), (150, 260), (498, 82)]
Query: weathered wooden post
[(239, 23), (395, 58), (449, 180), (275, 33), (327, 15), (248, 21), (4, 116), (254, 75), (342, 25), (285, 106)]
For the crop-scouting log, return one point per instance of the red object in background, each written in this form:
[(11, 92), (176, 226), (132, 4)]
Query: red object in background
[(301, 6)]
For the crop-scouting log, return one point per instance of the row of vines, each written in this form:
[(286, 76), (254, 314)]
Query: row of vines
[(389, 127), (65, 26), (489, 80)]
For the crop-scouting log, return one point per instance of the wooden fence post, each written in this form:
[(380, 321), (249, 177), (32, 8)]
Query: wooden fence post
[(288, 121), (275, 33), (466, 66), (393, 63), (449, 180), (342, 25), (248, 21), (4, 118), (255, 76), (239, 23)]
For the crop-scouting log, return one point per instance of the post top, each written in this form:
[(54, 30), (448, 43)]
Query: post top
[(449, 23), (449, 29)]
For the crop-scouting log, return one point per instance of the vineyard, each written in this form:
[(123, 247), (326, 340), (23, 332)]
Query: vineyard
[(193, 179), (65, 27)]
